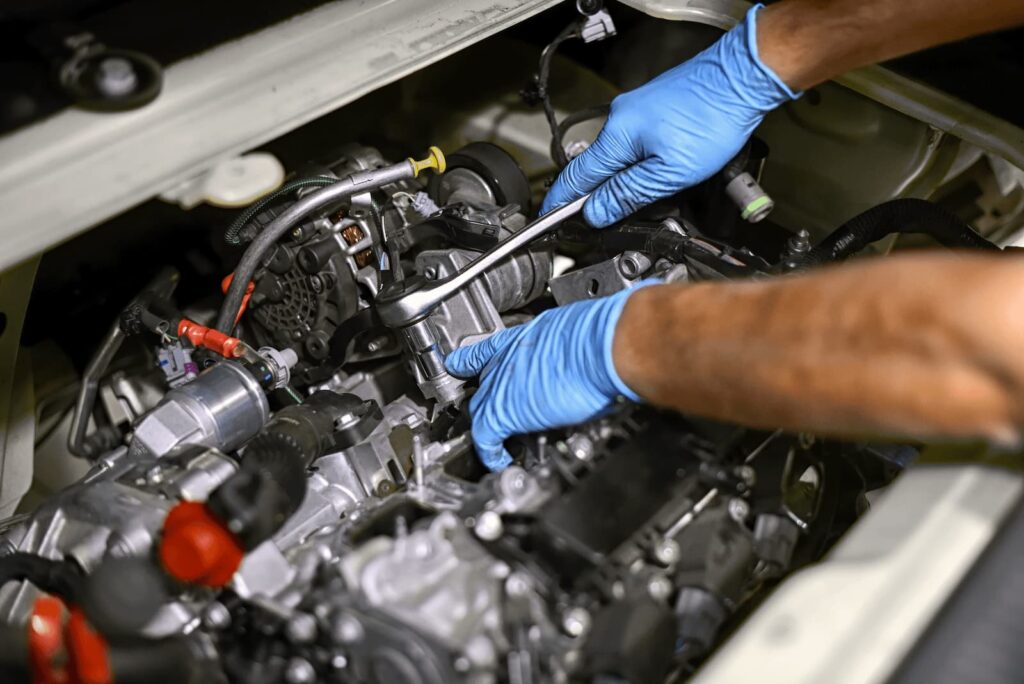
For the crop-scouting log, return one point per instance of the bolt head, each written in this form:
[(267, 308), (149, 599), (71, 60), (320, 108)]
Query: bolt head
[(739, 510), (576, 621), (488, 526), (667, 551)]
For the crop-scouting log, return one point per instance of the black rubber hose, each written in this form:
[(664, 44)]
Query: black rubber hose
[(232, 235), (543, 74), (905, 215), (60, 578), (271, 484)]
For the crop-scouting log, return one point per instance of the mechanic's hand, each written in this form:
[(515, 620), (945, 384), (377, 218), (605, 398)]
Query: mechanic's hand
[(675, 131), (555, 370)]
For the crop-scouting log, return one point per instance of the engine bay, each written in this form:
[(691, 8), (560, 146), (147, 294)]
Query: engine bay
[(277, 481)]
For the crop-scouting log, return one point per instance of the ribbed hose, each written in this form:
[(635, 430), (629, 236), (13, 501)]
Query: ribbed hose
[(233, 232), (905, 215)]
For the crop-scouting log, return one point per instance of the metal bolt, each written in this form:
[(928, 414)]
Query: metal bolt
[(799, 243), (517, 585), (667, 551), (633, 264), (576, 621), (299, 671), (430, 273), (116, 77), (345, 420), (339, 662), (581, 447), (747, 474), (376, 344), (346, 629), (739, 510), (155, 475), (297, 233), (216, 616), (488, 526), (659, 587), (301, 628), (575, 148)]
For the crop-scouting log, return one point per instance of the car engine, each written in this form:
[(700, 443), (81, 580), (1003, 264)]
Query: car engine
[(280, 483), (307, 486)]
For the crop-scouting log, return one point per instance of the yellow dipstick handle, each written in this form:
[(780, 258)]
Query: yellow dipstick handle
[(434, 161)]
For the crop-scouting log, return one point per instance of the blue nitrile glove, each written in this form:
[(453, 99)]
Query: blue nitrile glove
[(674, 131), (554, 371)]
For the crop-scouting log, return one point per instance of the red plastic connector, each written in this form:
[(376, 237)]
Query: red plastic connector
[(214, 340), (70, 652), (197, 548)]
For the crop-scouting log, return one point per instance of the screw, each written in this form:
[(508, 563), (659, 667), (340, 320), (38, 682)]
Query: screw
[(297, 233), (430, 272)]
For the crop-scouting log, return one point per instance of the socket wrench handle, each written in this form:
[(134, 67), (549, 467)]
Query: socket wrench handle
[(404, 302)]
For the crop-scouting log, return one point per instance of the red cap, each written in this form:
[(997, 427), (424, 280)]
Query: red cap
[(45, 640), (88, 662), (197, 547)]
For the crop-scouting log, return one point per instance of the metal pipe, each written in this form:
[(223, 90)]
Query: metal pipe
[(362, 181), (162, 286), (403, 303)]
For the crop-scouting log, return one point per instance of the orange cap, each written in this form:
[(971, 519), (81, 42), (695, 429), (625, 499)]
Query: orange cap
[(197, 548)]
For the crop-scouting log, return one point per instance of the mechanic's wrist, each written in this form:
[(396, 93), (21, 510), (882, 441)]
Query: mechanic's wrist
[(616, 385), (752, 41)]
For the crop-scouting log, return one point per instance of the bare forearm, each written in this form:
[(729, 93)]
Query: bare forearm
[(917, 346), (809, 41)]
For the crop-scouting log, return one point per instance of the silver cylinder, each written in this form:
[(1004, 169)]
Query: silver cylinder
[(222, 408)]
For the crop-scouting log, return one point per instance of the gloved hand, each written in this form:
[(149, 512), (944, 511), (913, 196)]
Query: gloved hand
[(675, 131), (555, 370)]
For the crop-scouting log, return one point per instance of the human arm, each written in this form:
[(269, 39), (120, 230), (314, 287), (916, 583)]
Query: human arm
[(918, 346), (683, 126), (923, 346)]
